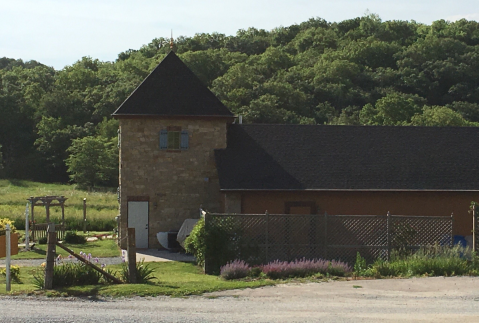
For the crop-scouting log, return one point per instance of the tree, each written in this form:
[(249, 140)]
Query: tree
[(440, 117), (93, 161), (394, 109)]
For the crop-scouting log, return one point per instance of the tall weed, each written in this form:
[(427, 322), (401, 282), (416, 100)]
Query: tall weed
[(431, 261)]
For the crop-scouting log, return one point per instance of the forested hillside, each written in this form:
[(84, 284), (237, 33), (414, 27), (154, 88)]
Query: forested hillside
[(358, 71)]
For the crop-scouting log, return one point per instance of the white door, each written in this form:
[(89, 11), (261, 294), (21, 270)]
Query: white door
[(138, 219)]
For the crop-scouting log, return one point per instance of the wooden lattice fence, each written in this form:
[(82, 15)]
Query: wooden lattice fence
[(287, 237)]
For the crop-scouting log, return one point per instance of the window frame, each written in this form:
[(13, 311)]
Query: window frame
[(170, 144)]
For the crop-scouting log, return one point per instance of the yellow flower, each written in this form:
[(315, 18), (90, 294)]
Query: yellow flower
[(43, 264)]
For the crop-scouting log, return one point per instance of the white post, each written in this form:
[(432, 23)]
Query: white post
[(27, 229), (7, 238)]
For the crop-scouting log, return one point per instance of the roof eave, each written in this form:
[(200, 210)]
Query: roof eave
[(129, 115), (345, 190)]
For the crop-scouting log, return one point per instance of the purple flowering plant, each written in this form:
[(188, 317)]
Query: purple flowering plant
[(285, 269)]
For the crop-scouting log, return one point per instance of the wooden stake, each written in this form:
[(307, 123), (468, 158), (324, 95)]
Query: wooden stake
[(51, 241), (131, 251), (7, 253)]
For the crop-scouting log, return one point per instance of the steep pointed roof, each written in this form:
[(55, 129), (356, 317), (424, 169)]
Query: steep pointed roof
[(172, 89)]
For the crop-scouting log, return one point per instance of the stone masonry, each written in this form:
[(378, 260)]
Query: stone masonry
[(175, 183)]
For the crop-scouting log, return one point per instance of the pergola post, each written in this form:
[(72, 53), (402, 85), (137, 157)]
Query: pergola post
[(62, 202)]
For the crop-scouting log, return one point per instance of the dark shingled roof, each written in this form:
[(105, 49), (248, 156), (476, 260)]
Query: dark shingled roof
[(300, 157), (172, 90)]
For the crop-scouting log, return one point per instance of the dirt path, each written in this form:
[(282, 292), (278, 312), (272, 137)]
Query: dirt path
[(390, 300)]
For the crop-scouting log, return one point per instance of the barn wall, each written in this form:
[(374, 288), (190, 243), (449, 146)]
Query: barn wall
[(372, 203)]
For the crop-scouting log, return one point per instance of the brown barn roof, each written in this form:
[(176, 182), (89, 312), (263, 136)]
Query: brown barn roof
[(172, 90), (303, 157)]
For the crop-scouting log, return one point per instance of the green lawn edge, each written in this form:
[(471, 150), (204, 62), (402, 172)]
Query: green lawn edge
[(175, 279)]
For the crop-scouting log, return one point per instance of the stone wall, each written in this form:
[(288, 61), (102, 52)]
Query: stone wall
[(176, 183)]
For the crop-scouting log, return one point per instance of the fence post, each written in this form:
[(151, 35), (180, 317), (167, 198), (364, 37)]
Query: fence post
[(27, 229), (267, 237), (325, 235), (388, 226), (474, 225), (33, 219), (7, 254), (207, 266), (51, 242), (84, 215), (131, 251)]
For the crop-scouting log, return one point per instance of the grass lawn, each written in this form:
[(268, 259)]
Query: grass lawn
[(102, 207), (100, 248), (172, 278)]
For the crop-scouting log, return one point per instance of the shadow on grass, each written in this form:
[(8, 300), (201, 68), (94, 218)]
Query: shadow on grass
[(38, 251), (90, 294), (18, 183)]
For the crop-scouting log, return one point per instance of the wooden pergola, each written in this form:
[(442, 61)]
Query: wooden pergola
[(47, 201)]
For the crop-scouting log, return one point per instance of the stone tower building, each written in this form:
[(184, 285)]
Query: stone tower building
[(169, 128)]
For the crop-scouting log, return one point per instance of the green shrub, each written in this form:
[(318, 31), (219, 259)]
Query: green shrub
[(42, 240), (195, 243), (14, 273), (69, 274), (143, 273), (19, 223), (222, 241), (73, 238), (360, 265), (3, 225), (255, 272)]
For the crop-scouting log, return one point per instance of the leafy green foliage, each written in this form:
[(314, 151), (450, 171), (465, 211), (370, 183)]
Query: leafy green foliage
[(14, 273), (195, 243), (93, 161), (70, 274), (3, 225), (73, 238), (431, 261), (218, 243), (144, 272), (360, 265)]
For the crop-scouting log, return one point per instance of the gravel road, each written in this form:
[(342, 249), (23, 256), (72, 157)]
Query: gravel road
[(437, 299)]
